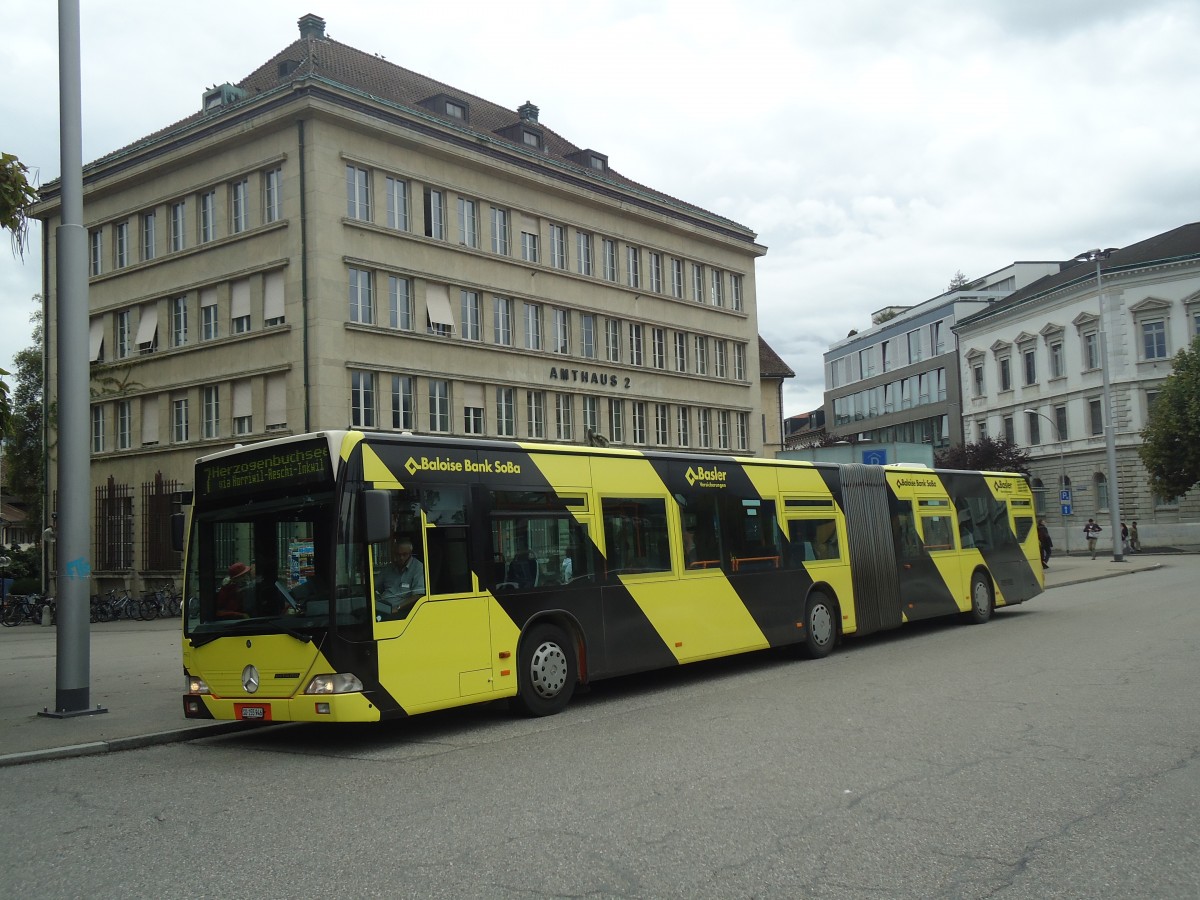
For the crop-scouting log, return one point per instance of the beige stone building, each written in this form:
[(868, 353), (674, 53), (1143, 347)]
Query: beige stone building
[(338, 241)]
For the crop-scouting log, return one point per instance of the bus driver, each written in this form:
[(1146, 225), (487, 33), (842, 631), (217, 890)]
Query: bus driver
[(401, 582)]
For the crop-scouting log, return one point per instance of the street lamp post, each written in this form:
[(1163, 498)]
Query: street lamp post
[(1110, 425), (1062, 477)]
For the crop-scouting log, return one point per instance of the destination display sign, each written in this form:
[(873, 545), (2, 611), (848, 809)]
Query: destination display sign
[(299, 465)]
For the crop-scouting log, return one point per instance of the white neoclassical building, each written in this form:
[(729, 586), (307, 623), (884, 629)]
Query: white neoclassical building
[(1032, 372)]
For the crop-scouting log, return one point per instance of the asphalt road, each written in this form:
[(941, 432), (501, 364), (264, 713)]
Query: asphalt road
[(1049, 753)]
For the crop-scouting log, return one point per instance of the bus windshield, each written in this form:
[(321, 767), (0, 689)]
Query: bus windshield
[(273, 567)]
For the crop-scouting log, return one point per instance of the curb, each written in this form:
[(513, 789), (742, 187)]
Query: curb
[(116, 745), (1088, 578)]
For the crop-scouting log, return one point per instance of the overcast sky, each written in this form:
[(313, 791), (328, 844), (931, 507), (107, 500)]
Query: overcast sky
[(875, 147)]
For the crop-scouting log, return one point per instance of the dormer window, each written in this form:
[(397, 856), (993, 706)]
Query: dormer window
[(456, 110), (597, 163), (531, 139), (450, 107)]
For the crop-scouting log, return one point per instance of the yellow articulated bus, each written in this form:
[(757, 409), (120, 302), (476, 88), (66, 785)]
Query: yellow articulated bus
[(349, 576)]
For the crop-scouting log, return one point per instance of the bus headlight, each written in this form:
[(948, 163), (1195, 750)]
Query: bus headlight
[(197, 686), (341, 683)]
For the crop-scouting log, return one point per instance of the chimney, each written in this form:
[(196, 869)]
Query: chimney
[(528, 112), (311, 27)]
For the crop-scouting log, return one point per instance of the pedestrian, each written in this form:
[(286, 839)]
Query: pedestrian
[(1090, 531), (1044, 543), (1135, 543), (1124, 538)]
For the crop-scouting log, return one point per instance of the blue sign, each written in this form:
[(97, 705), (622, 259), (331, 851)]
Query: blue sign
[(1065, 495), (1066, 509), (875, 457)]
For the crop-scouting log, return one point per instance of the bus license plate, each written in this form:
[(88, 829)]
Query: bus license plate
[(253, 712)]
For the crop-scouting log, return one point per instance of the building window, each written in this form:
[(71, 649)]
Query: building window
[(1034, 422), (635, 344), (179, 421), (1095, 416), (472, 316), (1029, 358), (562, 331), (633, 257), (456, 110), (683, 426), (533, 326), (505, 414), (1101, 485), (639, 421), (403, 402), (591, 415), (739, 362), (362, 399), (208, 216), (439, 406), (981, 429), (397, 203), (179, 321), (656, 273), (121, 259), (563, 427), (149, 235), (238, 214), (535, 423), (178, 226), (1058, 366), (400, 303), (610, 259), (362, 296), (1004, 365), (468, 223), (241, 324), (587, 336), (698, 282), (937, 340), (272, 200), (1010, 432), (658, 348), (612, 340), (210, 326), (358, 193), (97, 429), (743, 431), (96, 237), (500, 231), (722, 429), (680, 351), (1060, 422), (502, 321), (701, 355), (473, 420), (529, 246), (211, 412), (1091, 350), (717, 284), (677, 278), (719, 358), (124, 334), (616, 420), (704, 428), (435, 214), (661, 424), (558, 246), (1154, 339), (583, 252), (914, 346), (735, 292)]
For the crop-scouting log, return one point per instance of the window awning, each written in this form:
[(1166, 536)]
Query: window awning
[(240, 304), (96, 338), (241, 399), (437, 301), (147, 325), (149, 420), (273, 296)]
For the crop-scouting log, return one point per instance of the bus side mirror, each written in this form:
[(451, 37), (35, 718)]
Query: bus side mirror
[(177, 523), (377, 516)]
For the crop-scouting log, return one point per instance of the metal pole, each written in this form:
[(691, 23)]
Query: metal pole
[(72, 694), (1110, 425)]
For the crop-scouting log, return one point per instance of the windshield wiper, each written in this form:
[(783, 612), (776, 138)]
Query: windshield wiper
[(240, 627)]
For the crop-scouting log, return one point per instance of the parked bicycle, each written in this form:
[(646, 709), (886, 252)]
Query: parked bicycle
[(21, 608)]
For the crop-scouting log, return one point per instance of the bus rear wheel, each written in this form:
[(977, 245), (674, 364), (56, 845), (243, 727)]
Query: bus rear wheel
[(820, 626), (981, 599), (547, 671)]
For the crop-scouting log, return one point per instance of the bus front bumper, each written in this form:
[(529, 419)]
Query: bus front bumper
[(304, 708)]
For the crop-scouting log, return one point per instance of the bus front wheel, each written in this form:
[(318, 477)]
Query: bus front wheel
[(820, 626), (547, 671), (981, 599)]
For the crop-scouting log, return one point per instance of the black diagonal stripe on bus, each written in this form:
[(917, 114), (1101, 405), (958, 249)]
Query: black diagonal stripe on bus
[(362, 658), (1021, 582), (775, 600), (923, 591)]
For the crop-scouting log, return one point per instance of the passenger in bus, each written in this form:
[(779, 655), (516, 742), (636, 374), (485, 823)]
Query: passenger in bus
[(231, 600), (402, 581), (523, 570)]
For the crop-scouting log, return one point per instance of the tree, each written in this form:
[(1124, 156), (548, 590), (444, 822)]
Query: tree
[(987, 453), (1170, 447), (17, 194), (958, 282), (23, 455)]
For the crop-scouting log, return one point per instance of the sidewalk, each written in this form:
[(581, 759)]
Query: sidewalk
[(137, 676)]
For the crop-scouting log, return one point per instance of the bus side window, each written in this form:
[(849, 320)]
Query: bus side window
[(904, 531), (939, 534), (635, 535), (812, 540)]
